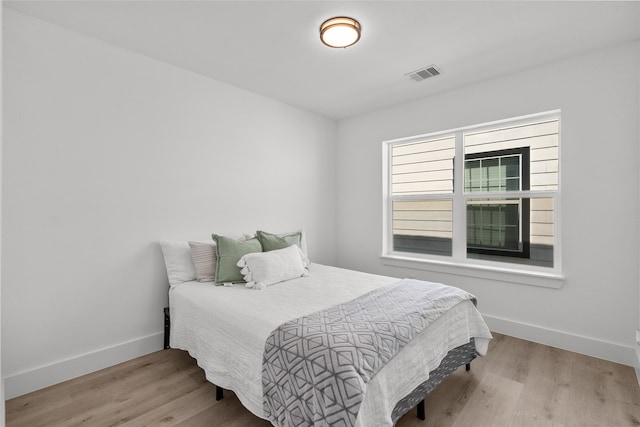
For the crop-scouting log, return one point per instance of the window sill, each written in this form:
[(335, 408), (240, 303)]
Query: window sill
[(483, 271)]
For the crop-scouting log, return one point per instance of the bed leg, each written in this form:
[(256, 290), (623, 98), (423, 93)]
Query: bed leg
[(167, 327), (219, 393), (468, 366), (420, 409)]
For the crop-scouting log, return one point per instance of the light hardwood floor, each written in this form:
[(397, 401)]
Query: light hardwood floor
[(519, 383)]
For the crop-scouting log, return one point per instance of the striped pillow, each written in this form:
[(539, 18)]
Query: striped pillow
[(203, 255)]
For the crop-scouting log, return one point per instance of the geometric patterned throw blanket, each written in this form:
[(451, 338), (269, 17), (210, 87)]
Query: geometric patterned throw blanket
[(315, 368)]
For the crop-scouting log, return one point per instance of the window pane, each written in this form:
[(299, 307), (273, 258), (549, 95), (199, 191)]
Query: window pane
[(512, 184), (424, 167), (492, 172), (515, 230), (494, 225), (511, 165), (542, 140), (423, 226)]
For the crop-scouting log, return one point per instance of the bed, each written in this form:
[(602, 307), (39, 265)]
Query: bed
[(225, 329)]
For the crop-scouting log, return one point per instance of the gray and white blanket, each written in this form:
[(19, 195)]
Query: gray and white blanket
[(316, 368)]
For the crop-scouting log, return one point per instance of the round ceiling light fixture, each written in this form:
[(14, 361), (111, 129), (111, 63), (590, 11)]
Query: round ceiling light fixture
[(340, 31)]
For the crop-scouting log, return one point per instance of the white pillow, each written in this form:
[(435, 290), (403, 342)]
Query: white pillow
[(262, 269), (204, 257), (177, 259)]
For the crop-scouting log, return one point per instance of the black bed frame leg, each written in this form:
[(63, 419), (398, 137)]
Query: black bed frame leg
[(167, 327), (219, 393), (420, 409), (420, 406)]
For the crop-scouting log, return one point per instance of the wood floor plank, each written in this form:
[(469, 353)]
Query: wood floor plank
[(543, 400), (496, 398), (129, 405), (50, 399), (519, 383), (601, 399), (181, 408), (227, 412), (120, 392)]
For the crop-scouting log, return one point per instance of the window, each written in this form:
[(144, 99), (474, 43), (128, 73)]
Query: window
[(499, 227), (497, 205)]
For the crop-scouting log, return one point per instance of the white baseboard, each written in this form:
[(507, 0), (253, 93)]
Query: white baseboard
[(579, 344), (44, 376)]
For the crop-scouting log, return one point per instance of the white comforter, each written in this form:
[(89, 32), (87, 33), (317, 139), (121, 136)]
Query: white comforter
[(225, 328)]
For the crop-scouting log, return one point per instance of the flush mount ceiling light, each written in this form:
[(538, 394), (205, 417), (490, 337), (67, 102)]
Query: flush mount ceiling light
[(340, 31)]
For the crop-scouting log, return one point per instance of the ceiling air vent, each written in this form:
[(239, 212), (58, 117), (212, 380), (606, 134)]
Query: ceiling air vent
[(424, 73)]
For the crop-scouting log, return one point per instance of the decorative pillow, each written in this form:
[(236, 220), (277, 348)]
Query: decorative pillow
[(260, 270), (272, 242), (204, 257), (303, 239), (177, 260), (229, 252)]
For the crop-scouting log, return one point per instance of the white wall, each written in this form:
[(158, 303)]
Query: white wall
[(106, 152), (638, 343), (2, 417), (596, 311)]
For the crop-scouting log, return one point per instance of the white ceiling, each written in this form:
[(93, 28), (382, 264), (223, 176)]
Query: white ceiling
[(272, 47)]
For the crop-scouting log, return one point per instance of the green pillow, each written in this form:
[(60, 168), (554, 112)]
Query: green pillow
[(272, 242), (229, 253)]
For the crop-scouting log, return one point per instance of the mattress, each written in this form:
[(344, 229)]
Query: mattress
[(225, 328)]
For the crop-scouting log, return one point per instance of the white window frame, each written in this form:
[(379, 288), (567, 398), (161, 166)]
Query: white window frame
[(458, 263)]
